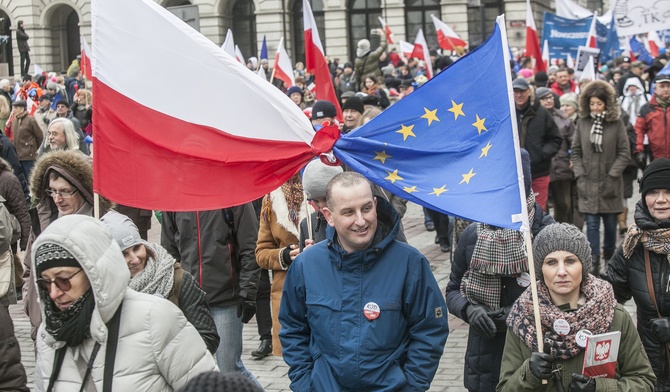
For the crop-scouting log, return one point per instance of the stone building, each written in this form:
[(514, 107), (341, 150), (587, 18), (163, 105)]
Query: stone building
[(55, 26)]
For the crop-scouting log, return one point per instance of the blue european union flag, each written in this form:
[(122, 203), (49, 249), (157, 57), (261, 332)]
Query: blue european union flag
[(450, 145), (264, 50), (640, 51)]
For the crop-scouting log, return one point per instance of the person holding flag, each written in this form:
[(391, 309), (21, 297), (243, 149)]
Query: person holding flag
[(572, 303), (367, 60)]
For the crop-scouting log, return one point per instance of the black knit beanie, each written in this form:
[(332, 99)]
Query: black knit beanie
[(655, 176), (50, 255), (216, 382)]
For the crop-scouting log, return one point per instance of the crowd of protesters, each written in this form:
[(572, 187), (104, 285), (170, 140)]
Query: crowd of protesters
[(306, 259)]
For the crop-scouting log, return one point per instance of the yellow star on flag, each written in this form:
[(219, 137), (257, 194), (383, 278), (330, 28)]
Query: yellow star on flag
[(456, 109), (381, 156), (431, 115), (467, 177), (439, 191), (393, 176), (406, 132), (485, 150), (479, 124), (410, 189)]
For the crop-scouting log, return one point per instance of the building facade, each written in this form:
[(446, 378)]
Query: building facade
[(55, 26)]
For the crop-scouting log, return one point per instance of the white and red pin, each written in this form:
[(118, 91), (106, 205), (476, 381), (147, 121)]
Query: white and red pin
[(371, 311), (561, 327)]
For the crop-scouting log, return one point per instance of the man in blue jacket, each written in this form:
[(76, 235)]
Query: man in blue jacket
[(360, 310)]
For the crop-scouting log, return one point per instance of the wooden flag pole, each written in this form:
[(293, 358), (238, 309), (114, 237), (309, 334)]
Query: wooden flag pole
[(533, 290), (96, 206)]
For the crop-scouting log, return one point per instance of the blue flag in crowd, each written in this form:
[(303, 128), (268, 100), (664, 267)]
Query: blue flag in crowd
[(610, 48), (264, 50), (640, 51), (450, 145)]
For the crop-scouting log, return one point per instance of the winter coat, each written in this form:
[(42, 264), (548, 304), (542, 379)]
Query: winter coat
[(558, 90), (369, 64), (633, 373), (190, 299), (599, 175), (10, 190), (483, 355), (560, 163), (319, 225), (9, 154), (27, 136), (628, 100), (654, 123), (82, 113), (347, 83), (276, 233), (22, 40), (327, 341), (219, 257), (43, 118), (629, 280), (157, 348), (12, 373), (539, 135), (77, 169)]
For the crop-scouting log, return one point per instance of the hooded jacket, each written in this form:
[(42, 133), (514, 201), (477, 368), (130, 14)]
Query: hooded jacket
[(10, 190), (538, 134), (327, 340), (653, 122), (78, 170), (157, 349), (629, 280), (599, 175)]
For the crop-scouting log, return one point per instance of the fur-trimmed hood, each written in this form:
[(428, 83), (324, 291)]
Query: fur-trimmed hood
[(72, 165), (5, 166), (612, 105)]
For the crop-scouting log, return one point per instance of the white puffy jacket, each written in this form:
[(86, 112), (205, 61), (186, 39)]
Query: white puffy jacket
[(157, 350)]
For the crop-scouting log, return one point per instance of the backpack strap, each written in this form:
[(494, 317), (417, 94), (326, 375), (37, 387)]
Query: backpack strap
[(110, 353), (652, 294)]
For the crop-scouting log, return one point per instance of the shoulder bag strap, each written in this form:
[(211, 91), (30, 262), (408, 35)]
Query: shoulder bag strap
[(58, 363), (650, 287), (110, 353), (89, 367)]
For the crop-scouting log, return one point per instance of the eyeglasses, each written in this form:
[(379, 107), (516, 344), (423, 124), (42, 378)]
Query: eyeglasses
[(63, 284), (63, 194)]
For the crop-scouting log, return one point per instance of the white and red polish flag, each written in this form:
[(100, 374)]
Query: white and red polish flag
[(85, 63), (283, 70), (315, 61), (532, 41), (591, 38), (654, 42), (239, 55), (229, 47), (421, 52), (446, 37), (219, 147), (387, 30), (405, 50), (545, 54)]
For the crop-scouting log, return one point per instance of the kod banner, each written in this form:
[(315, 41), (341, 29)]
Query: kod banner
[(565, 35)]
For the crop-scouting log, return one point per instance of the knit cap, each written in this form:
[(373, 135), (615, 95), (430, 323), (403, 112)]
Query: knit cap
[(215, 381), (655, 176), (565, 237), (49, 255), (293, 89), (123, 229), (323, 109), (570, 99), (315, 178), (354, 103)]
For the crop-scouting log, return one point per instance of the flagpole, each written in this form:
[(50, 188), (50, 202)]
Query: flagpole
[(272, 77), (525, 227), (96, 206), (309, 218)]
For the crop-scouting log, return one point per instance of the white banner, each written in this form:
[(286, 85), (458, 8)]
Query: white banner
[(641, 16)]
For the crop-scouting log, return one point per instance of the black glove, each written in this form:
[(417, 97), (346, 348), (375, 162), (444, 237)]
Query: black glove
[(480, 320), (582, 383), (661, 328), (540, 365), (245, 309), (499, 317), (286, 256), (641, 160)]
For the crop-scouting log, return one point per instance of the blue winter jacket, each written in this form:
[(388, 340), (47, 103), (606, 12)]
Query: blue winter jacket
[(327, 340)]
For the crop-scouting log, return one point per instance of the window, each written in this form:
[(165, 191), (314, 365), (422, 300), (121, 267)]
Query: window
[(363, 17), (298, 27), (244, 27), (417, 16)]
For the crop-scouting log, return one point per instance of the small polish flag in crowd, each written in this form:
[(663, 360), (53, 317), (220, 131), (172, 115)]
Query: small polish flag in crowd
[(446, 37), (283, 70), (591, 38), (532, 41), (421, 52), (387, 30)]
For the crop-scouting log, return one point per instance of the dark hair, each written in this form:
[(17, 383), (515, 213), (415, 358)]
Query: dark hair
[(599, 93), (372, 77)]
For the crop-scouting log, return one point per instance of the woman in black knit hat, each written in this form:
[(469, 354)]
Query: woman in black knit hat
[(640, 268)]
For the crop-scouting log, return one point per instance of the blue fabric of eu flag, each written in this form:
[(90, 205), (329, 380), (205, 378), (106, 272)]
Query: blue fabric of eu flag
[(449, 145)]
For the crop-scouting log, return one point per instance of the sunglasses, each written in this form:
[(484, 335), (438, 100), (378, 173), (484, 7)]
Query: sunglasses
[(63, 284)]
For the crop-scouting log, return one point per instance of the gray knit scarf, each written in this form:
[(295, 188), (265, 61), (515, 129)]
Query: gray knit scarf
[(157, 277), (498, 252), (597, 131)]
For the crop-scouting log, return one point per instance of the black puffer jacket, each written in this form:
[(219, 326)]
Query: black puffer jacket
[(629, 280), (483, 356), (538, 134)]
